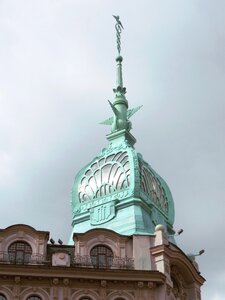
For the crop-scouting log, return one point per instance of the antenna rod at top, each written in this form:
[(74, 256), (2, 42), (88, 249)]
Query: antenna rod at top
[(119, 28)]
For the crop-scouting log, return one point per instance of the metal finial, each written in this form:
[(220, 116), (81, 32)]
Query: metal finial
[(119, 28), (120, 120)]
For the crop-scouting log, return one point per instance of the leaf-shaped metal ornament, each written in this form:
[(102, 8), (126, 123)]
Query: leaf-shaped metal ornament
[(132, 111), (108, 121), (115, 110), (109, 174)]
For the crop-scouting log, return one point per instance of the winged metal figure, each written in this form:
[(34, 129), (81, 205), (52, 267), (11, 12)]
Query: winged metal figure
[(118, 119)]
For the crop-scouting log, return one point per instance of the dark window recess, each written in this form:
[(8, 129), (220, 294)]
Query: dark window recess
[(34, 297), (101, 256), (19, 252)]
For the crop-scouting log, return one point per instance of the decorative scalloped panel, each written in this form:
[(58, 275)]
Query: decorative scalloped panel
[(105, 176), (151, 185)]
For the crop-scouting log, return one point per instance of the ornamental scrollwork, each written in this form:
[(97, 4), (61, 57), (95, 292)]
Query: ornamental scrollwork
[(151, 186), (178, 289), (107, 175)]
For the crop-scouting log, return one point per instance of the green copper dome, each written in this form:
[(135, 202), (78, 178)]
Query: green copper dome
[(118, 190)]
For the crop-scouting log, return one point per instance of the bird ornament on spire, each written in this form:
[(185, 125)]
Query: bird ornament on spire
[(120, 119)]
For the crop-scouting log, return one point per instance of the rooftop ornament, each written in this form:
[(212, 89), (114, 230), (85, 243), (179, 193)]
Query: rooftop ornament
[(120, 120), (118, 182), (119, 28), (192, 256)]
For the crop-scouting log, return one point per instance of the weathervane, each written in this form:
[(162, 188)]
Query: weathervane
[(120, 121), (119, 28)]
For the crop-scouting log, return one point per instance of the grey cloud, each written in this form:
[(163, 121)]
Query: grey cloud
[(58, 67)]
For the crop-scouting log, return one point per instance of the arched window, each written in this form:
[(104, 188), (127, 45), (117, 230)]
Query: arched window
[(34, 297), (101, 256), (2, 297), (19, 252)]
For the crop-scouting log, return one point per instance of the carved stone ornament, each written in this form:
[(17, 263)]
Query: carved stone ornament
[(55, 281), (178, 289), (103, 283), (140, 284), (151, 285), (66, 281), (17, 279), (168, 290)]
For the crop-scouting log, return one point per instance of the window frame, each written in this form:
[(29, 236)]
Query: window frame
[(34, 297), (19, 252), (3, 296), (101, 256)]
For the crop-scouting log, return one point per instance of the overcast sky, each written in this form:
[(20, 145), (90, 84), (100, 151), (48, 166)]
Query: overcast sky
[(57, 71)]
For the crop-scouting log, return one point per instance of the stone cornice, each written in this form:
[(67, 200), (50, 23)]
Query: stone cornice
[(25, 228), (178, 258), (106, 232), (81, 273)]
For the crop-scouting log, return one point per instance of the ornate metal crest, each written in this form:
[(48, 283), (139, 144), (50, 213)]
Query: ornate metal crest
[(105, 176)]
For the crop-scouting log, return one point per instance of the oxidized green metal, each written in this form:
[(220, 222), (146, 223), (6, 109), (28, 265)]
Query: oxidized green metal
[(118, 190), (119, 28), (122, 114)]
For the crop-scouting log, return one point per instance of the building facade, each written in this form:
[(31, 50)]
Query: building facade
[(122, 245)]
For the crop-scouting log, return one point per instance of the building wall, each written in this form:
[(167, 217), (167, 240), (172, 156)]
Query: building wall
[(141, 267)]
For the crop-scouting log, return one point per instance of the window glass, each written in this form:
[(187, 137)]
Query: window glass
[(34, 297), (2, 297), (19, 252), (101, 256)]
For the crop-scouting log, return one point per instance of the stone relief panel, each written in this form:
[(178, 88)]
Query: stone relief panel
[(61, 259), (178, 290)]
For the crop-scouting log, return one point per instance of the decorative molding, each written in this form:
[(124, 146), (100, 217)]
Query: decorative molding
[(17, 279), (178, 289), (66, 281), (103, 283), (140, 284), (105, 176), (151, 186), (102, 213), (55, 281), (151, 285)]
